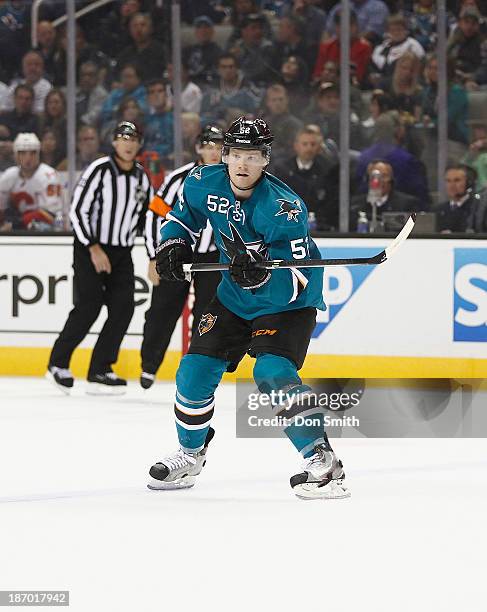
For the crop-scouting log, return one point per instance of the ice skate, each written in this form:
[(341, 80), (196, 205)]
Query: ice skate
[(147, 380), (61, 378), (179, 470), (107, 383), (322, 477)]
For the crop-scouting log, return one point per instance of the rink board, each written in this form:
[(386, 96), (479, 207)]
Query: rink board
[(422, 314)]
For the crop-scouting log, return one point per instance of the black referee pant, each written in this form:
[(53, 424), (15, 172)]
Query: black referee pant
[(167, 303), (91, 292)]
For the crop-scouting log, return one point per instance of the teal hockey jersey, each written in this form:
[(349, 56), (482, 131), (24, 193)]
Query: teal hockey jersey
[(273, 221)]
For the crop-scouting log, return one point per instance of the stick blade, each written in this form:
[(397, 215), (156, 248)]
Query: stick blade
[(401, 237)]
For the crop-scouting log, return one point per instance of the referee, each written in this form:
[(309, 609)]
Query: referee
[(109, 205), (168, 298)]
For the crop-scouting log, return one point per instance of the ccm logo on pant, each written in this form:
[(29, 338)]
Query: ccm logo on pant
[(264, 332)]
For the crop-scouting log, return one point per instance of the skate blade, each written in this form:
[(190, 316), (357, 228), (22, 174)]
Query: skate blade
[(99, 389), (66, 390), (160, 485), (333, 490)]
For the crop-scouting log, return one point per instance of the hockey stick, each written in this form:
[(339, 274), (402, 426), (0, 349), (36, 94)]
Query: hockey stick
[(318, 263)]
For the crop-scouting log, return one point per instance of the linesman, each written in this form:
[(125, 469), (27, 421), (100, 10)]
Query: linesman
[(168, 298), (109, 206)]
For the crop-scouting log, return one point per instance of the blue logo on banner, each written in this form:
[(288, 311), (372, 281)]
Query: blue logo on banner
[(470, 296), (341, 282)]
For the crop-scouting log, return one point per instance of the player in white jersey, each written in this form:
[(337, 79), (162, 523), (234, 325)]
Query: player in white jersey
[(30, 192)]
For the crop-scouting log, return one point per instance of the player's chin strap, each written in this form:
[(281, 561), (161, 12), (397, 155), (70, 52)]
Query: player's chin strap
[(317, 263)]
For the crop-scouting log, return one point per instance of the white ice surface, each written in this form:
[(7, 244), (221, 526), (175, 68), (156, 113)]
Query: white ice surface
[(75, 515)]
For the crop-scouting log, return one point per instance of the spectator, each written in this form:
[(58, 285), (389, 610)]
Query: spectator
[(371, 16), (32, 71), (422, 24), (129, 110), (84, 53), (232, 91), (239, 12), (325, 112), (113, 33), (403, 85), (380, 102), (397, 43), (284, 124), (191, 127), (6, 156), (331, 74), (255, 52), (21, 118), (191, 94), (391, 199), (457, 100), (52, 152), (294, 77), (313, 178), (146, 53), (360, 50), (90, 95), (159, 122), (201, 58), (47, 47), (466, 44), (14, 34), (460, 212), (291, 40), (476, 157), (314, 21), (409, 172), (54, 115), (131, 85), (3, 96), (30, 192), (87, 148), (191, 10)]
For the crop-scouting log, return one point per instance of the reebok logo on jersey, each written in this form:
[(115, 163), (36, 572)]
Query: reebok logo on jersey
[(291, 209), (206, 323)]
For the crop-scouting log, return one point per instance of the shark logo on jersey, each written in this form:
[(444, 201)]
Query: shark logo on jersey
[(196, 172), (235, 244), (291, 209), (206, 323)]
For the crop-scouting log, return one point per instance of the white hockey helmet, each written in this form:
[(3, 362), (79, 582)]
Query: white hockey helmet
[(27, 141)]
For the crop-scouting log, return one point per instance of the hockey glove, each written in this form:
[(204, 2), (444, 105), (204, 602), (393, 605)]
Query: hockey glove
[(170, 257), (244, 271)]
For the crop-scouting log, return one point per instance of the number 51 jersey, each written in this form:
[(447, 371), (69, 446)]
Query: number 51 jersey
[(273, 222)]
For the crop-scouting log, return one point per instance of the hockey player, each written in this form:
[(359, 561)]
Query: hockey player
[(30, 192), (168, 298), (254, 216)]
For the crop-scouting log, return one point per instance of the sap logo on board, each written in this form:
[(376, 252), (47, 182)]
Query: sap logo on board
[(470, 296), (341, 282)]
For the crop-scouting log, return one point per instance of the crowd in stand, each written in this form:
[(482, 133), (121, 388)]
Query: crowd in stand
[(275, 59)]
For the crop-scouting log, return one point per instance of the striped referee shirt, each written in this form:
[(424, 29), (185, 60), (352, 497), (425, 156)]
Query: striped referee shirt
[(110, 205), (163, 202)]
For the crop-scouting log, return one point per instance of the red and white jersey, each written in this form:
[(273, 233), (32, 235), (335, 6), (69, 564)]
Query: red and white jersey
[(42, 191)]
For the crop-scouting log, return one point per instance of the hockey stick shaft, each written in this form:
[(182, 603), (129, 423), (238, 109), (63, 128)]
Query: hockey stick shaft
[(318, 263)]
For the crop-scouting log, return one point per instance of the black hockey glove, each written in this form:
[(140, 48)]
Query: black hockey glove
[(170, 257), (244, 272)]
